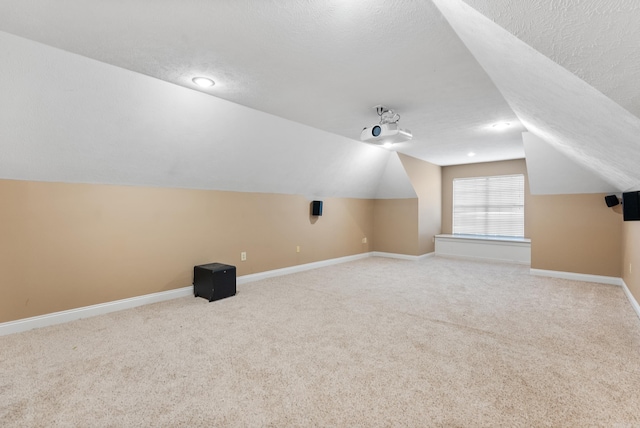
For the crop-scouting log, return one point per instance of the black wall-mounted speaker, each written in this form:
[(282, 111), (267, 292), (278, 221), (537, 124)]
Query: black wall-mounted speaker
[(631, 206), (316, 208), (611, 200)]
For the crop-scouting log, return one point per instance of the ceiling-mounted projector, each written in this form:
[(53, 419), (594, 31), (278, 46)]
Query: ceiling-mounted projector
[(387, 131)]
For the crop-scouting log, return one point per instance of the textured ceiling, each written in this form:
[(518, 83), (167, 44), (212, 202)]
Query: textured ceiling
[(557, 106), (547, 167), (597, 40), (67, 118), (320, 63)]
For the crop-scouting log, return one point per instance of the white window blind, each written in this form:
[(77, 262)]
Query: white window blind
[(491, 206)]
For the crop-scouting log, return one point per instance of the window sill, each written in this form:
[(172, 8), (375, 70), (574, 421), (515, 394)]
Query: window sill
[(505, 249), (485, 238)]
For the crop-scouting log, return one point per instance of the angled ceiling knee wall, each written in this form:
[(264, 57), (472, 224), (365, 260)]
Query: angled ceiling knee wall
[(551, 172), (394, 182)]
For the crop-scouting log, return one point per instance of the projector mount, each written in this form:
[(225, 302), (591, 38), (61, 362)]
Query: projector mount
[(386, 115)]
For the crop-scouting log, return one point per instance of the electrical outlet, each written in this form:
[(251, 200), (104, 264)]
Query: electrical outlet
[(297, 248), (243, 256), (364, 240)]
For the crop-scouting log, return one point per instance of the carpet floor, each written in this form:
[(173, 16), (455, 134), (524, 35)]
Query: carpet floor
[(371, 343)]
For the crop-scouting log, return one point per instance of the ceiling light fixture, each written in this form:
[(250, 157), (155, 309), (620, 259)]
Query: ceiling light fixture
[(501, 126), (203, 82), (471, 154), (387, 145)]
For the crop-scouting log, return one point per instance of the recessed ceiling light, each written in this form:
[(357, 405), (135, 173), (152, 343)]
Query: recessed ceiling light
[(387, 145), (471, 154), (501, 126), (203, 82)]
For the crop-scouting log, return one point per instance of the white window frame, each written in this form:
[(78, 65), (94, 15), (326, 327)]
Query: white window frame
[(491, 206)]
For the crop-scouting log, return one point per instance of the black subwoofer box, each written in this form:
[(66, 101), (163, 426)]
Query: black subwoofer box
[(214, 281)]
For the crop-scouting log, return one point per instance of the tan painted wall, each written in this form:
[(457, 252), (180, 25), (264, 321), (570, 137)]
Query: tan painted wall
[(395, 222), (631, 257), (426, 179), (65, 246), (569, 233), (575, 233)]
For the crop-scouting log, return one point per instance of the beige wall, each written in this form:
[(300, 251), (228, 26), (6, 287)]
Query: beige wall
[(426, 179), (395, 222), (65, 246), (631, 257), (575, 233), (407, 226), (569, 233)]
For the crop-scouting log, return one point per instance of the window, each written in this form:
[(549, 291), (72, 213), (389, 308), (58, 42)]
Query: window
[(490, 206)]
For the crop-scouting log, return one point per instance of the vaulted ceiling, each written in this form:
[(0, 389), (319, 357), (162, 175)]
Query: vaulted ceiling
[(101, 91)]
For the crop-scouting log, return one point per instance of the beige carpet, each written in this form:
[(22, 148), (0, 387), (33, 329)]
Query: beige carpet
[(376, 342)]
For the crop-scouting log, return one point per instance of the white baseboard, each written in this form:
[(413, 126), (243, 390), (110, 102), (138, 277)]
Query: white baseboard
[(90, 311), (632, 300), (578, 276), (401, 256), (118, 305), (298, 268), (612, 280)]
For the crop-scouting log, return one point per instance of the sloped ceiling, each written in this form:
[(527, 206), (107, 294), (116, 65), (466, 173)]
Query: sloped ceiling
[(321, 63), (598, 41), (86, 121), (101, 91), (552, 102), (551, 172), (395, 182)]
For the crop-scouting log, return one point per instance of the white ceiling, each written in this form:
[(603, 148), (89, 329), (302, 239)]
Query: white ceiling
[(567, 71), (555, 104), (67, 118), (321, 63), (546, 167), (597, 40)]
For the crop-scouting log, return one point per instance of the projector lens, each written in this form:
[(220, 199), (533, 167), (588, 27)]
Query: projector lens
[(376, 130)]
